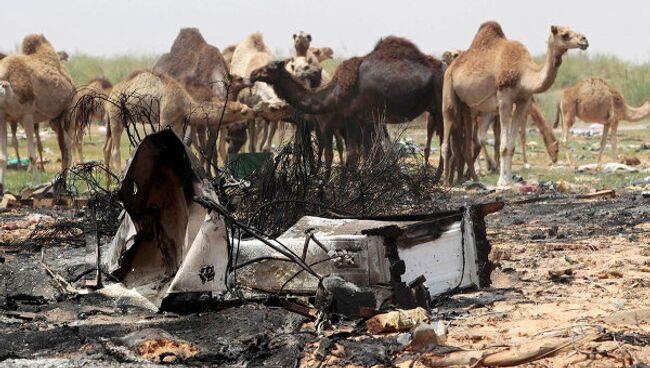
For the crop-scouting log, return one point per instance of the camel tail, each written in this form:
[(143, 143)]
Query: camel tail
[(557, 115)]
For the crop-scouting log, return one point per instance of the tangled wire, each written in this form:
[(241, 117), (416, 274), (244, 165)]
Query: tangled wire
[(388, 181)]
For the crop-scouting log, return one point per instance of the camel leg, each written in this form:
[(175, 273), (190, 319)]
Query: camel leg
[(614, 139), (328, 134), (603, 142), (222, 145), (468, 149), (3, 153), (496, 130), (430, 131), (567, 114), (522, 133), (265, 134), (508, 137), (338, 137), (28, 125), (39, 146), (116, 159), (487, 121), (107, 149), (269, 140), (252, 135), (353, 143), (14, 139)]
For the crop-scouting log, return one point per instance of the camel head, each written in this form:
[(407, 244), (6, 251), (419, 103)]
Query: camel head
[(301, 42), (63, 56), (322, 53), (450, 55), (563, 38), (306, 70), (268, 73), (553, 149), (238, 82), (237, 111), (5, 89)]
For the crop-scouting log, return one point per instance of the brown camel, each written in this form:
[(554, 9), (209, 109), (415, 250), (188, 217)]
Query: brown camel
[(34, 87), (63, 56), (94, 94), (163, 102), (497, 75), (596, 101), (392, 84), (487, 120)]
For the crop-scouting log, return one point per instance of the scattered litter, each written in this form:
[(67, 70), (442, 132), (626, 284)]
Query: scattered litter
[(630, 161), (397, 320)]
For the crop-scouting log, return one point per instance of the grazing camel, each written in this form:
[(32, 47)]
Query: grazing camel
[(162, 101), (34, 87), (395, 81), (596, 101), (249, 55), (497, 75), (92, 95)]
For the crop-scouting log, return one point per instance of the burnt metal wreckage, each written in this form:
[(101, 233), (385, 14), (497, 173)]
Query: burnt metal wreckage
[(176, 246)]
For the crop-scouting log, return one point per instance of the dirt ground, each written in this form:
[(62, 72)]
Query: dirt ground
[(565, 267)]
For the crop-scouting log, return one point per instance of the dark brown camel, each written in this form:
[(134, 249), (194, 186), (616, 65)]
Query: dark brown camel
[(394, 83)]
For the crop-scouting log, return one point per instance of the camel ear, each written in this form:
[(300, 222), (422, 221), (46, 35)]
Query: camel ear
[(294, 36), (554, 29), (309, 37)]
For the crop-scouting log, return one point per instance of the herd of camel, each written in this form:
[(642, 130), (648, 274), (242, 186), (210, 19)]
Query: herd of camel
[(244, 93)]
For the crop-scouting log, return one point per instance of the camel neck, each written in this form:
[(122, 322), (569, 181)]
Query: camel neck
[(634, 114), (546, 75), (317, 101)]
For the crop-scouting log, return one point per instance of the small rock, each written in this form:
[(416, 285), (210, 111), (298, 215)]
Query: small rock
[(538, 236)]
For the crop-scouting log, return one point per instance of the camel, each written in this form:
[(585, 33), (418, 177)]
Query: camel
[(34, 87), (488, 120), (249, 55), (394, 83), (498, 75), (63, 56), (596, 101), (94, 94), (160, 100), (203, 69)]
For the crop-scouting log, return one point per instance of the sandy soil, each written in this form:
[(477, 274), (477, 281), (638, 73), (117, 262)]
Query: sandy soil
[(566, 267)]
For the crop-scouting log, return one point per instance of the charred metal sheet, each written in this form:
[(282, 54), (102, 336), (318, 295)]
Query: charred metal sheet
[(445, 251), (166, 243), (172, 243)]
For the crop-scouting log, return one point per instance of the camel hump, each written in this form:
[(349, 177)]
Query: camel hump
[(347, 73), (19, 76), (257, 41), (487, 34), (187, 39), (103, 82), (37, 44)]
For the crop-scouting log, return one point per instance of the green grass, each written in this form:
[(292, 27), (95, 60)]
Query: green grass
[(84, 68)]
